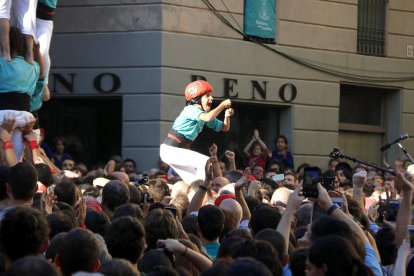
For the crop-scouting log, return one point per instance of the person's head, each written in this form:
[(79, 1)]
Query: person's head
[(334, 255), (303, 214), (153, 258), (290, 178), (210, 222), (264, 216), (32, 266), (66, 192), (114, 194), (22, 182), (281, 143), (234, 207), (60, 144), (233, 176), (79, 251), (54, 246), (43, 173), (256, 149), (332, 163), (61, 221), (344, 173), (119, 267), (218, 183), (297, 261), (247, 266), (17, 42), (261, 251), (258, 172), (97, 221), (159, 224), (276, 240), (199, 92), (129, 165), (135, 194), (125, 238), (158, 189), (23, 231), (129, 210), (386, 244), (68, 164), (227, 246)]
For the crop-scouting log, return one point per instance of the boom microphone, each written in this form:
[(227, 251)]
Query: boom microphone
[(387, 146)]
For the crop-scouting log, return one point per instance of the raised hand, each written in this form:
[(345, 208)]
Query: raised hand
[(213, 150), (229, 112)]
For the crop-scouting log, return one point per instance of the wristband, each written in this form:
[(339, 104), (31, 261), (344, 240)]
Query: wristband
[(203, 188), (8, 145), (33, 145), (331, 209)]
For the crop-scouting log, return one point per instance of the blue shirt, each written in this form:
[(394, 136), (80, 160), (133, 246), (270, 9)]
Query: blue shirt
[(212, 249), (49, 3), (18, 76), (37, 98), (189, 124)]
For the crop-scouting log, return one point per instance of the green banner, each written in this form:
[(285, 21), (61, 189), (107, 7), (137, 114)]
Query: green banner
[(260, 18)]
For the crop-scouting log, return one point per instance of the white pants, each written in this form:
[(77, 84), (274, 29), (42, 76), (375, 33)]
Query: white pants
[(21, 13), (44, 30), (188, 164), (22, 118)]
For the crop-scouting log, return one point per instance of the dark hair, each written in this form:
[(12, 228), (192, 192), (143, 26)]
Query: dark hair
[(248, 266), (54, 246), (61, 221), (44, 174), (338, 255), (135, 194), (31, 266), (159, 224), (387, 248), (264, 216), (261, 251), (227, 246), (129, 160), (275, 239), (4, 174), (118, 267), (297, 261), (97, 221), (233, 176), (252, 203), (125, 238), (79, 251), (23, 181), (114, 194), (129, 209), (303, 214), (282, 137), (65, 191), (153, 258), (23, 231), (211, 221), (189, 223)]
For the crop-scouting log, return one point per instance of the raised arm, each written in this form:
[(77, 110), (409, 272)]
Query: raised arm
[(285, 223), (212, 114), (214, 160), (358, 181), (231, 157), (226, 123), (238, 186), (197, 200), (405, 181)]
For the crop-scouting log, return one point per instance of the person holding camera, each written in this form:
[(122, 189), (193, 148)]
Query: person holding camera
[(175, 151)]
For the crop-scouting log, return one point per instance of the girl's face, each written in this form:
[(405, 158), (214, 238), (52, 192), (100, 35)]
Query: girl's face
[(59, 146), (280, 144), (206, 102), (257, 150), (341, 176)]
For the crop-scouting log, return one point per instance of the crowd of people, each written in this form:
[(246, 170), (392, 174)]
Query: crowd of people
[(59, 218), (192, 215)]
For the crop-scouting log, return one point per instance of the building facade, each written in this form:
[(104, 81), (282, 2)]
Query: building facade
[(324, 84)]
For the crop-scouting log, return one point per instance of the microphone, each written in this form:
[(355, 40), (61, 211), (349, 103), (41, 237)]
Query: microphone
[(403, 136)]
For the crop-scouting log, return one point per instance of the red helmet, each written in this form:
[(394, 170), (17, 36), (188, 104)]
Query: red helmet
[(197, 88)]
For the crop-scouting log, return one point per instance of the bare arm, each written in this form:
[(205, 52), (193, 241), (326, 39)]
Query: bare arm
[(198, 260), (358, 181), (285, 223), (197, 200), (216, 166), (226, 123), (239, 195), (231, 157), (404, 213), (38, 57), (5, 136), (212, 114)]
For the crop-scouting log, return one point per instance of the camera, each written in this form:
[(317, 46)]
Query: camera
[(311, 177), (141, 180)]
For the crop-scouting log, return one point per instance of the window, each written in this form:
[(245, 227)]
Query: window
[(371, 27), (361, 121)]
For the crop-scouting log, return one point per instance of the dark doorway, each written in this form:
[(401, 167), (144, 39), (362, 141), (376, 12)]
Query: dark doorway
[(246, 118), (91, 126)]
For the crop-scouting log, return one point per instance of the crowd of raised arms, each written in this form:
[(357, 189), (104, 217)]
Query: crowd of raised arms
[(59, 218)]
